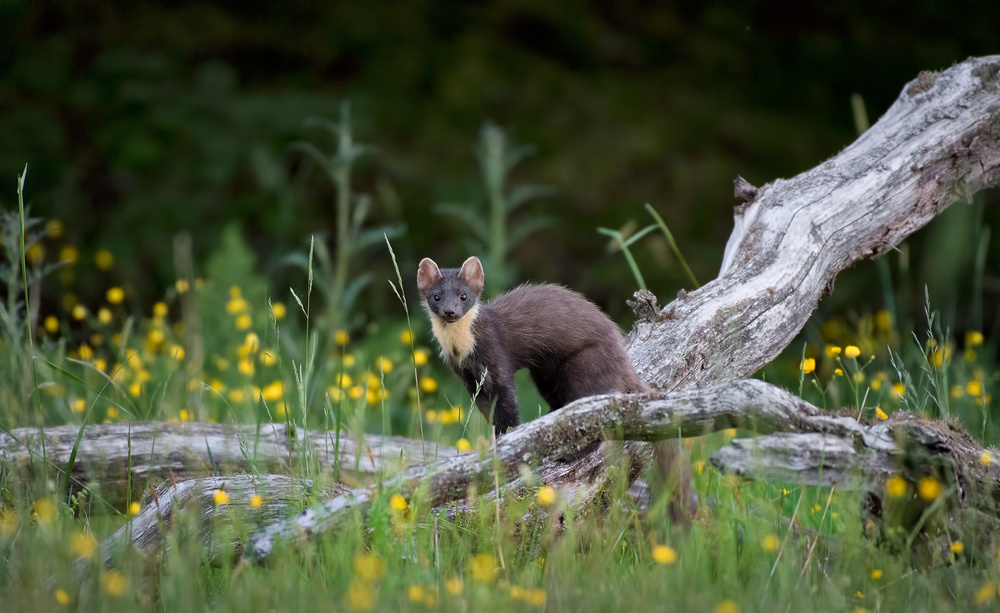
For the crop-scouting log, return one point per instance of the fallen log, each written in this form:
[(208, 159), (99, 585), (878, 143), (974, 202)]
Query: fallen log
[(122, 461)]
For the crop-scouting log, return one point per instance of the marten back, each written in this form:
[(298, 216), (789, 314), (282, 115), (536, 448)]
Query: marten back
[(571, 348)]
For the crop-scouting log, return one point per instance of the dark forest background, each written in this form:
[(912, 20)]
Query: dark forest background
[(142, 121)]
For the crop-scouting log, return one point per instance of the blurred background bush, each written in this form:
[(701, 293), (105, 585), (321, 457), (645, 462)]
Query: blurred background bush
[(142, 121)]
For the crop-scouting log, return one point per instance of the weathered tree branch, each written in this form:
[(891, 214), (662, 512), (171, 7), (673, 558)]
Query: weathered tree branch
[(113, 457), (840, 450), (937, 144)]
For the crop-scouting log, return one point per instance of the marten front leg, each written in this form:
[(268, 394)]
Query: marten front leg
[(495, 395)]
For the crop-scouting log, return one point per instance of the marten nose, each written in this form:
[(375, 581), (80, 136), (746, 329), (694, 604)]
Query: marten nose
[(449, 312)]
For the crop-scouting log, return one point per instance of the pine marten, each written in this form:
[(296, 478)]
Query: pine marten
[(569, 346)]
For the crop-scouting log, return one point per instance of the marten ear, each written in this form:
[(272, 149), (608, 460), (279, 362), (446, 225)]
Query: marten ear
[(472, 274), (428, 274)]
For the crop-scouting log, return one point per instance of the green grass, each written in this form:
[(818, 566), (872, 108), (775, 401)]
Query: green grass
[(752, 546)]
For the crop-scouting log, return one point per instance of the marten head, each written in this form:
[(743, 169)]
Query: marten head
[(452, 292)]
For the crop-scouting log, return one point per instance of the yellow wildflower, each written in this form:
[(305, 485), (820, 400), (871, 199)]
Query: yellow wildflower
[(729, 432), (360, 596), (155, 337), (135, 508), (273, 391), (895, 487), (83, 545), (104, 259), (51, 324), (727, 606), (974, 388), (771, 543), (182, 286), (428, 385), (973, 338), (664, 554), (986, 458), (463, 445), (985, 593), (419, 357), (880, 413), (237, 395), (883, 320), (454, 586), (397, 503), (79, 312), (160, 309), (236, 305), (808, 365), (77, 405), (876, 574), (111, 413), (135, 389), (244, 321), (268, 357), (255, 501), (245, 366), (36, 253), (356, 392), (369, 567), (63, 597), (54, 228), (537, 597), (482, 567), (929, 488), (957, 547), (114, 583), (349, 361), (69, 254), (405, 337), (852, 351), (838, 372), (9, 523), (342, 337), (415, 593), (899, 389), (278, 310), (384, 364), (832, 351), (546, 496), (44, 511), (220, 497)]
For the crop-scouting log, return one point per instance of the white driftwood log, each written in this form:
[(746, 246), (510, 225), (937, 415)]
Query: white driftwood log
[(113, 457), (937, 144)]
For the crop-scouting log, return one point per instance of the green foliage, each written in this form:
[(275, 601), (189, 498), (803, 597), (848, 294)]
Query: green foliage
[(492, 224)]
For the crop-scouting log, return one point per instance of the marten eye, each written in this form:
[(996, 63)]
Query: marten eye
[(437, 297), (463, 297)]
